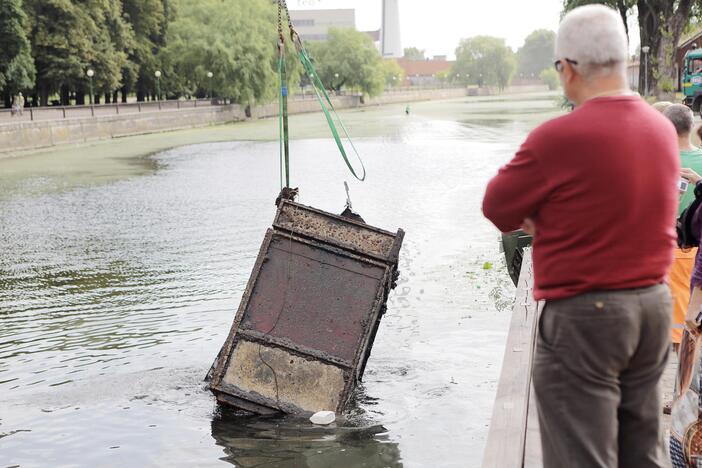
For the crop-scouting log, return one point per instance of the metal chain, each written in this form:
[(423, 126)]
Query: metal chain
[(287, 13), (280, 21)]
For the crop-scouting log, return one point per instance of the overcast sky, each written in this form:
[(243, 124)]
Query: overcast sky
[(438, 25)]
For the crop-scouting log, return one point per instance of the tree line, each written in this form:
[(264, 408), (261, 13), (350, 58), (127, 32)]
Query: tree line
[(662, 23), (197, 49), (489, 61)]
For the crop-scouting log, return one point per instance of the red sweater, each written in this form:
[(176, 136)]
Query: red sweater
[(600, 184)]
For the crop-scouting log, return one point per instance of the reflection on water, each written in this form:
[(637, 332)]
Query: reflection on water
[(295, 443), (114, 300)]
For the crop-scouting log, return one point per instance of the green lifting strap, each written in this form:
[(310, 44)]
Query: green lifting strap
[(328, 109), (322, 96), (283, 120)]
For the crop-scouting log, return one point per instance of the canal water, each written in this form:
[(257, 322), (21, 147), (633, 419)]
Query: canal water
[(115, 296)]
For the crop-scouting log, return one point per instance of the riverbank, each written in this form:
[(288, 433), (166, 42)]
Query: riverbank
[(85, 124), (67, 166)]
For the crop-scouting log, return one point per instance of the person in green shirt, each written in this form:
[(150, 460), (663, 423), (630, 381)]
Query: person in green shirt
[(681, 272), (690, 155)]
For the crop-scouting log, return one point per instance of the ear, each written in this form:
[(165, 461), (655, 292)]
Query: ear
[(569, 73)]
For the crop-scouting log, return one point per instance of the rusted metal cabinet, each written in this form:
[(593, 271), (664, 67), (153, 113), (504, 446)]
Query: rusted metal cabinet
[(309, 314)]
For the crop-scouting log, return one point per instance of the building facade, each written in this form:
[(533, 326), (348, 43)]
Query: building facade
[(314, 25)]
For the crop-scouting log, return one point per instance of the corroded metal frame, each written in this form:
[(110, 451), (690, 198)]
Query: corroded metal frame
[(365, 244)]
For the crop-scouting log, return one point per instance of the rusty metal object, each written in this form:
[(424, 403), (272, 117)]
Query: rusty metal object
[(310, 312)]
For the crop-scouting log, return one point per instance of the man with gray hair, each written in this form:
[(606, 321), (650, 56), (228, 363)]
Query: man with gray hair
[(598, 190)]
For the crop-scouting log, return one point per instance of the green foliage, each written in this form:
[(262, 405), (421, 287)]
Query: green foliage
[(445, 76), (413, 53), (149, 20), (550, 78), (60, 37), (393, 72), (47, 47), (349, 58), (536, 54), (235, 40), (70, 36), (17, 70), (485, 60)]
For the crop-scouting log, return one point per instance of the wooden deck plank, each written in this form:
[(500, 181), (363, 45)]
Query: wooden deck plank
[(507, 437), (533, 456)]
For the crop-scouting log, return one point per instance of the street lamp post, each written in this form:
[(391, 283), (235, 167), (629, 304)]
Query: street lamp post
[(158, 84), (210, 75), (645, 50), (90, 74)]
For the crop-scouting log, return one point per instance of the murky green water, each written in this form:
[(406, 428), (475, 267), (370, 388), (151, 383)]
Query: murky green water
[(115, 296)]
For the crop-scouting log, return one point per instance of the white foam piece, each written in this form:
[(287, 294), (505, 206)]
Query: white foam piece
[(323, 418)]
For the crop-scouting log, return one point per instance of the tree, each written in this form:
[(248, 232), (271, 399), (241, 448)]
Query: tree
[(623, 7), (60, 37), (536, 54), (70, 36), (485, 60), (17, 72), (349, 58), (550, 78), (661, 23), (235, 40), (413, 53), (149, 20), (393, 72), (113, 41)]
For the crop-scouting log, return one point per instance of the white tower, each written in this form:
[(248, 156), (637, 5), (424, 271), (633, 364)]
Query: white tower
[(390, 43)]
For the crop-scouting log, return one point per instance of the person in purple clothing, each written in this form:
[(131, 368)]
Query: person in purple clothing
[(686, 408), (695, 303)]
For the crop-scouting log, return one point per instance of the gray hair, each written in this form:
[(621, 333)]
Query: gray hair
[(661, 106), (594, 36), (682, 118)]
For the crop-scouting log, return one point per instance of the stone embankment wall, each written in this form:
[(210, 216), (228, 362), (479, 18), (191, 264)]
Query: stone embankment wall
[(27, 135)]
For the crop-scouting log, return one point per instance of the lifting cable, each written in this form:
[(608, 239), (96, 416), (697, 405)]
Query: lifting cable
[(333, 119)]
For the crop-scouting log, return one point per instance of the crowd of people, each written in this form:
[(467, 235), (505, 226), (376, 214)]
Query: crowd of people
[(604, 190)]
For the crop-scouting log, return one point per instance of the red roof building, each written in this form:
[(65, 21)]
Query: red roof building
[(424, 72)]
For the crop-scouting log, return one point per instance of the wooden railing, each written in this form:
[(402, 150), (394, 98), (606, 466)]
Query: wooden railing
[(513, 440)]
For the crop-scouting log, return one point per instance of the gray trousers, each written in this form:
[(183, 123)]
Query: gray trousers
[(599, 358)]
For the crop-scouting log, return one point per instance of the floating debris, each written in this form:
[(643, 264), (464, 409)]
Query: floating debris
[(323, 418)]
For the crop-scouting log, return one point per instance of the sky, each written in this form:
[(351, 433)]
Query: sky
[(438, 25)]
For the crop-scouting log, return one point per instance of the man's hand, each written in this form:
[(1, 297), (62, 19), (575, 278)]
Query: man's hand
[(690, 175), (529, 227)]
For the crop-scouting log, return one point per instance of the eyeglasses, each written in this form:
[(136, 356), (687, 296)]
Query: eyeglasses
[(558, 64)]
